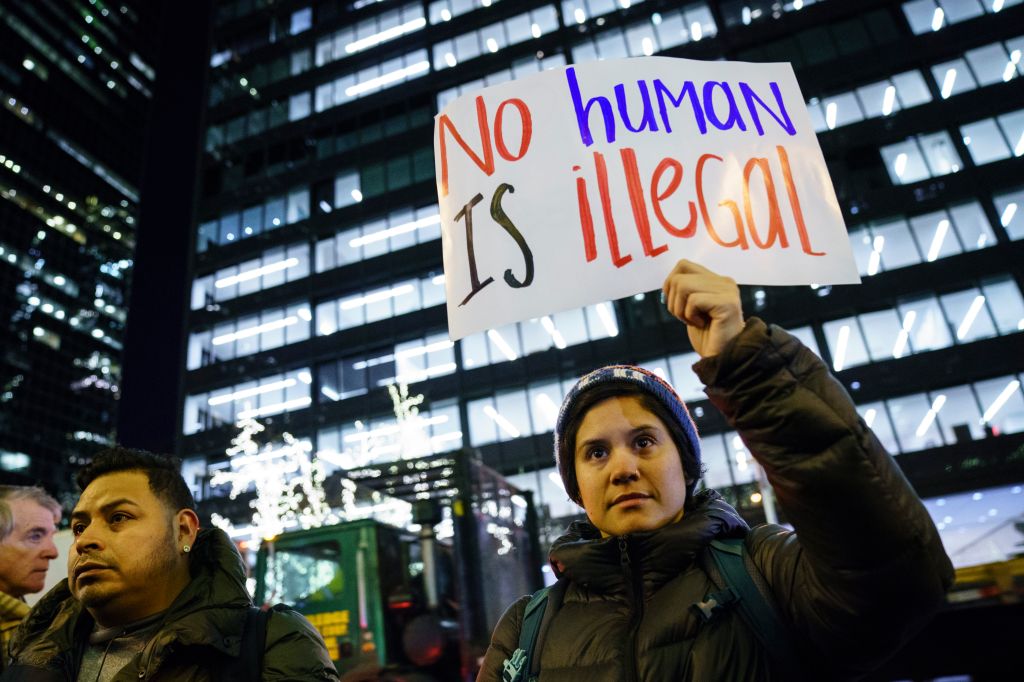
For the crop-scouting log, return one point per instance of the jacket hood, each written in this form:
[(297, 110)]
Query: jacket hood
[(584, 557)]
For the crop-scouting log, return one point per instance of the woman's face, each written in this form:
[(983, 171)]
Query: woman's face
[(628, 468)]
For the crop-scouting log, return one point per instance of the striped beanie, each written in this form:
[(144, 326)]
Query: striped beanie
[(647, 382)]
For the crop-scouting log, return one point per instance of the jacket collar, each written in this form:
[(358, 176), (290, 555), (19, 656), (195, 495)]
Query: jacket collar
[(596, 563)]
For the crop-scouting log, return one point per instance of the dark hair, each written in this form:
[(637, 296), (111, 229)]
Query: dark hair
[(692, 469), (163, 472)]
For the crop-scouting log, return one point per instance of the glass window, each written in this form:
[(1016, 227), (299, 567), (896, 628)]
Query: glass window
[(482, 428), (940, 154), (841, 110), (922, 15), (925, 324), (299, 106), (274, 213), (961, 10), (905, 162), (474, 351), (878, 99), (911, 88), (684, 379), (1002, 404), (895, 244), (960, 418), (882, 332), (877, 419), (914, 422), (968, 315), (932, 231), (302, 20), (1012, 125), (744, 467), (953, 77), (545, 400), (972, 226), (984, 141), (717, 473), (988, 63), (1005, 303), (1010, 217), (845, 343)]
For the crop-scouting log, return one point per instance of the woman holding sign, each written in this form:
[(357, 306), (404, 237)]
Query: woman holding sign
[(665, 583)]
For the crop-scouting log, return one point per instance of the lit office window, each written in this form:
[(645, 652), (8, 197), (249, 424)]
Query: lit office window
[(921, 157), (1009, 206), (926, 16), (262, 331), (741, 462), (560, 330), (381, 303), (953, 77), (274, 213), (518, 69), (985, 142), (408, 362), (446, 10), (876, 417), (266, 396), (369, 33), (491, 39), (882, 98), (387, 439), (273, 267), (302, 20), (298, 106), (926, 323), (1002, 404), (396, 231), (913, 419)]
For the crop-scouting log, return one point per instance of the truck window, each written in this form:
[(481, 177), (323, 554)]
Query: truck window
[(305, 575)]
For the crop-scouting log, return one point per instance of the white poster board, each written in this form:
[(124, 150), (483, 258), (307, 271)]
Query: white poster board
[(587, 183)]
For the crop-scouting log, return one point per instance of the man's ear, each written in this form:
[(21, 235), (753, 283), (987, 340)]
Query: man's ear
[(187, 524)]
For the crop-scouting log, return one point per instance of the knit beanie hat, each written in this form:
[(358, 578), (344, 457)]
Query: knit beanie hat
[(647, 382)]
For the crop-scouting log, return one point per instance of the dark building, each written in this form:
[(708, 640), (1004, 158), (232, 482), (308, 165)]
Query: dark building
[(76, 82), (317, 275)]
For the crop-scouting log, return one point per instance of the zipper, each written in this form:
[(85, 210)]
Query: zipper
[(634, 590)]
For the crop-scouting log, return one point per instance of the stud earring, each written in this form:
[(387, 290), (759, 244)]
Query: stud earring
[(186, 549)]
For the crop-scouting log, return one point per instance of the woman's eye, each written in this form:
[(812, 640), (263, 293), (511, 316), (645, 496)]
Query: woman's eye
[(644, 442), (77, 529), (596, 453)]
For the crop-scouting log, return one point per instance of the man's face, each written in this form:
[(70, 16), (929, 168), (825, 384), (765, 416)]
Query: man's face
[(26, 553), (125, 562), (628, 468)]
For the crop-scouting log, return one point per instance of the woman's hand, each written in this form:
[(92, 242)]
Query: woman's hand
[(708, 303)]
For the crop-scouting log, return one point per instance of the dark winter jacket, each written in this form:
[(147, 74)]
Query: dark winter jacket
[(197, 642), (863, 571)]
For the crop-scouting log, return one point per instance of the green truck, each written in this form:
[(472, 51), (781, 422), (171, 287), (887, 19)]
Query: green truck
[(395, 604)]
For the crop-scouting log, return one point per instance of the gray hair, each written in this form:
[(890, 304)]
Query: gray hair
[(22, 492)]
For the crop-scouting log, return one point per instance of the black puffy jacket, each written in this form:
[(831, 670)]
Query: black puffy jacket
[(198, 641), (863, 571)]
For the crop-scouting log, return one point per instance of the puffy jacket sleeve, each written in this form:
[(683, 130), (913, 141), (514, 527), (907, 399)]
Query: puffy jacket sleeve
[(295, 651), (504, 640), (865, 568)]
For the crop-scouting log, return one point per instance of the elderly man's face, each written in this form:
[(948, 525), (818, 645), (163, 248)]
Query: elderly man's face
[(26, 553), (126, 562)]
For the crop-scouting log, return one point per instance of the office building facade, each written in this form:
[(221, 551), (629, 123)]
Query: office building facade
[(317, 277), (76, 82)]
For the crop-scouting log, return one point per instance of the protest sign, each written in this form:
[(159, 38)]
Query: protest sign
[(587, 183)]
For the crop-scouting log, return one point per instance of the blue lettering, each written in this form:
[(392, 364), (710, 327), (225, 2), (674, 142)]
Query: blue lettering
[(583, 111), (662, 91), (734, 118), (751, 97), (647, 121)]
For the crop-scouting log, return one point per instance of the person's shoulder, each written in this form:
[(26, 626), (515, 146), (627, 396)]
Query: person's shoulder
[(295, 649)]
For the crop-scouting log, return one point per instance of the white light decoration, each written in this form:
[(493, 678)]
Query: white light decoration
[(288, 483)]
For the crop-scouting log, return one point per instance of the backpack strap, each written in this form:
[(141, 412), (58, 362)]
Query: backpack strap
[(249, 664), (754, 606), (524, 664)]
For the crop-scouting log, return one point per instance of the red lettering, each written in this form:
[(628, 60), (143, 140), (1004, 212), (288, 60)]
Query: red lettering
[(486, 164), (776, 230), (741, 237), (526, 127), (636, 200), (794, 203), (657, 197), (606, 207), (586, 219)]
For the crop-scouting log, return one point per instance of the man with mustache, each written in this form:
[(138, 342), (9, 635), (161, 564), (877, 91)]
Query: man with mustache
[(149, 595), (28, 521)]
